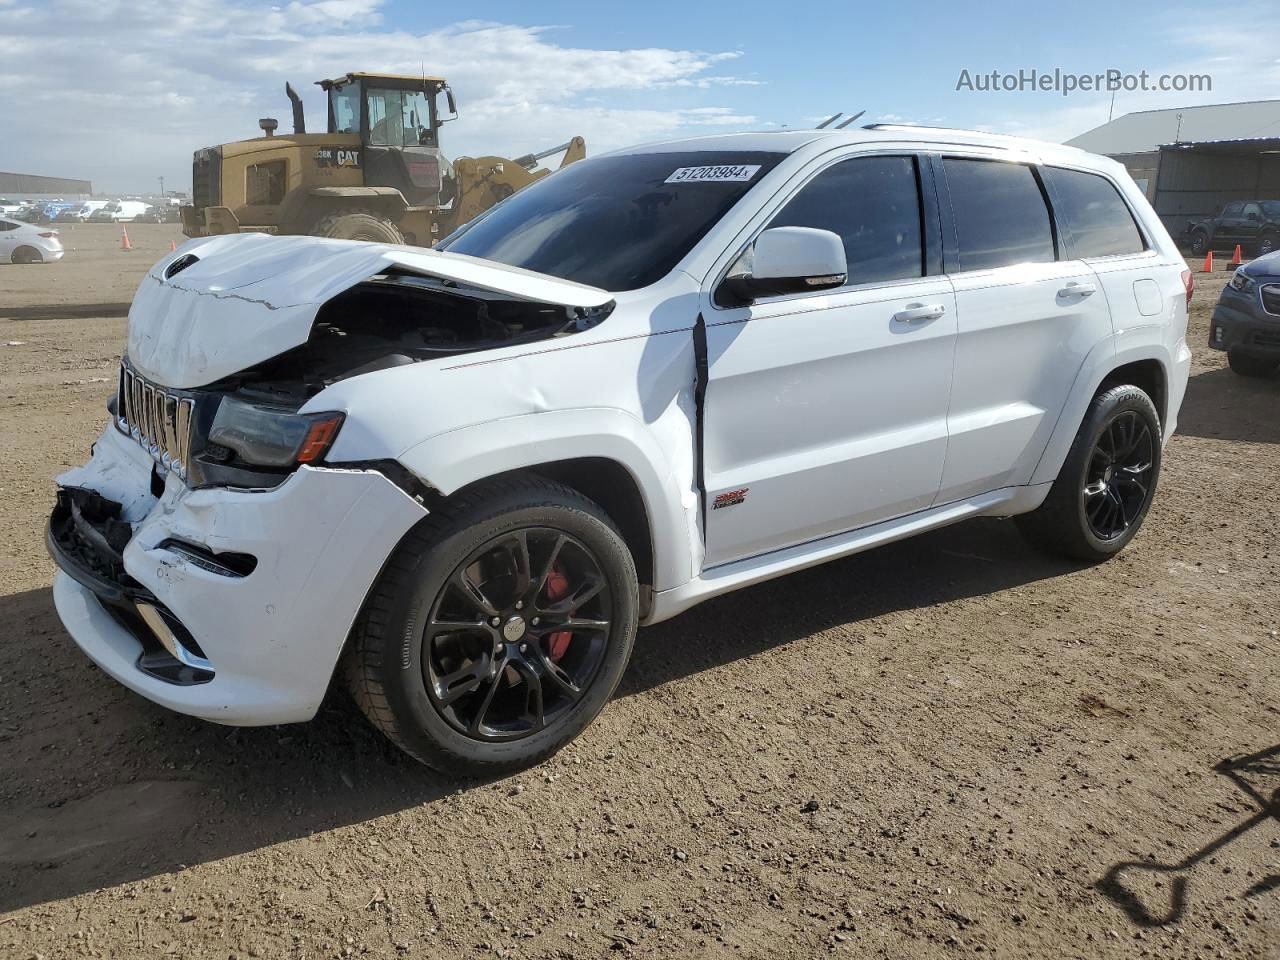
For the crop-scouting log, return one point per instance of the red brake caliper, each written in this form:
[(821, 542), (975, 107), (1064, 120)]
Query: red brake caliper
[(557, 589)]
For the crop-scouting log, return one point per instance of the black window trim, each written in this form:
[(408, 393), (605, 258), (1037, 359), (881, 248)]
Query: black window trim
[(930, 234), (951, 239), (1148, 246)]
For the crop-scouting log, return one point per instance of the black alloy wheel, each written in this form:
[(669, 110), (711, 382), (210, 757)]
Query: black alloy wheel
[(1118, 481), (498, 628), (1107, 481), (517, 634)]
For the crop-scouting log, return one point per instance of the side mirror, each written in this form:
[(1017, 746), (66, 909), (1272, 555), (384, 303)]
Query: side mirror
[(453, 104), (791, 260)]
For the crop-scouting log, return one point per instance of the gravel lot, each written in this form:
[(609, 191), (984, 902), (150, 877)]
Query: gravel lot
[(946, 747)]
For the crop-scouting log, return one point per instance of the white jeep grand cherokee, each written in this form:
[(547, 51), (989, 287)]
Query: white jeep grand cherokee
[(463, 476)]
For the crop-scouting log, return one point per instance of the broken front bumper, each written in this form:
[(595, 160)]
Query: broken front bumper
[(232, 605)]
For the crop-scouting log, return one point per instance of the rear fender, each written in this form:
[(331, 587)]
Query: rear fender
[(1098, 365)]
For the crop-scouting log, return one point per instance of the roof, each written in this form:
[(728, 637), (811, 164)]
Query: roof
[(1250, 145), (396, 77), (789, 141), (1145, 130)]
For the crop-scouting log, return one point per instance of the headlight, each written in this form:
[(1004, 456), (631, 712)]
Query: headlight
[(269, 437), (1242, 282)]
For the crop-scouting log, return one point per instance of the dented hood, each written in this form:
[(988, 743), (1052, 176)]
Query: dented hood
[(251, 296)]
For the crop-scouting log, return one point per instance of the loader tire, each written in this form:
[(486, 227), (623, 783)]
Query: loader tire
[(357, 225)]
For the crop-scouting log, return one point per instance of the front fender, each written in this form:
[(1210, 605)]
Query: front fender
[(452, 460)]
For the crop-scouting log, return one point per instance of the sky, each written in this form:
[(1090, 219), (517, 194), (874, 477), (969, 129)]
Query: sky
[(122, 91)]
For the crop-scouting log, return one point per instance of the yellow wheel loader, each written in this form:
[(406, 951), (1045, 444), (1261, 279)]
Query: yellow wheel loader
[(377, 174)]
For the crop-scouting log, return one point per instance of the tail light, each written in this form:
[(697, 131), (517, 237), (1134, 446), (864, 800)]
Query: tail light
[(1188, 284), (50, 234)]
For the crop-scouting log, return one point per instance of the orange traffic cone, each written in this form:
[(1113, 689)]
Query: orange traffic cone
[(1235, 257), (1208, 263), (124, 239), (172, 246)]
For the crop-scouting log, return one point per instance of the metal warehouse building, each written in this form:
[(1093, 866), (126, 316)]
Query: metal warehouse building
[(26, 186), (1192, 160)]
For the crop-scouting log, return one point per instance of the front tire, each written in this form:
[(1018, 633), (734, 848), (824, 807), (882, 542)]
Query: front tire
[(1267, 243), (1249, 365), (499, 628), (357, 225), (1103, 491)]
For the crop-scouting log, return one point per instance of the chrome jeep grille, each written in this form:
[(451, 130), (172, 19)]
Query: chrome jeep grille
[(157, 418)]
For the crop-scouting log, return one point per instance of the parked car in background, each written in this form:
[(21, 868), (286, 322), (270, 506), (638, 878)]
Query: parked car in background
[(459, 478), (26, 243), (50, 211), (160, 213), (79, 212), (1252, 224), (27, 213), (1246, 321), (118, 210)]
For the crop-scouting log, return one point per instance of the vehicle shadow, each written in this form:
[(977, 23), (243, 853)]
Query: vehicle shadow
[(102, 787), (1117, 884), (1222, 405)]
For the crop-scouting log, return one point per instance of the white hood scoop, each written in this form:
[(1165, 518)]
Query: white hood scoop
[(250, 297)]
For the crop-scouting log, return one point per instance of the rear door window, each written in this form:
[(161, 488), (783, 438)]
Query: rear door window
[(873, 204), (1001, 218), (1100, 222)]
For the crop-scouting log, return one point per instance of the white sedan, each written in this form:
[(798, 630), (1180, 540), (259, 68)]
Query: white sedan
[(27, 243)]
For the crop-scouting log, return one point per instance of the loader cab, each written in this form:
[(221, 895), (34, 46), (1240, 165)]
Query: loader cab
[(397, 118)]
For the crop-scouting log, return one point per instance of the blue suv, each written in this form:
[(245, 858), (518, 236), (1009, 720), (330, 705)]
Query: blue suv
[(1246, 321)]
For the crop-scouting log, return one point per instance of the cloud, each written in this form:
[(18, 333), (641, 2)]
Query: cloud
[(121, 91), (1241, 64)]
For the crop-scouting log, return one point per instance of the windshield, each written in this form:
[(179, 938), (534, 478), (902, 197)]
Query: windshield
[(1272, 209), (618, 223)]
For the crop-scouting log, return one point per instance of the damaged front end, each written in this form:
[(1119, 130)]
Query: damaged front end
[(191, 570), (242, 427)]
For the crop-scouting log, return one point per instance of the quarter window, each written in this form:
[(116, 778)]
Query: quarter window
[(1100, 223), (1000, 214), (265, 183), (873, 204)]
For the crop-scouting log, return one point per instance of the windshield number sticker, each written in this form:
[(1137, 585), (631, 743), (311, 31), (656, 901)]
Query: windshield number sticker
[(737, 173)]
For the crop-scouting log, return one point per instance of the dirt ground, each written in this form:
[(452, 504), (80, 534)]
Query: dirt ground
[(94, 278), (946, 747)]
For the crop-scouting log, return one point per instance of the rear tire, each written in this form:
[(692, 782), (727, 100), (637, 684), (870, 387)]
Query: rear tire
[(26, 255), (357, 225), (455, 656), (1105, 487), (1248, 365), (1199, 243)]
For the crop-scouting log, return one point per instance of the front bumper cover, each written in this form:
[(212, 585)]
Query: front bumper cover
[(271, 637), (1239, 322)]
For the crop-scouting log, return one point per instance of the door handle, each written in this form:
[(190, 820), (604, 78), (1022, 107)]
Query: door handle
[(1074, 289), (919, 312)]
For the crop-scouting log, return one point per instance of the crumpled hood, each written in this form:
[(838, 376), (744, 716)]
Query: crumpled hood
[(252, 296)]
